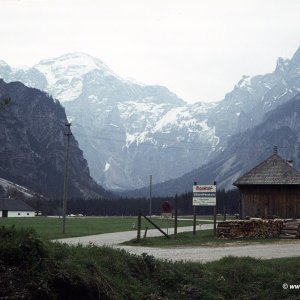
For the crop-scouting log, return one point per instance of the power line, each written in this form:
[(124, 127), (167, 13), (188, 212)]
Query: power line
[(208, 146)]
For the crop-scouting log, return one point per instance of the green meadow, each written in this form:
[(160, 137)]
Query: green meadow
[(51, 227)]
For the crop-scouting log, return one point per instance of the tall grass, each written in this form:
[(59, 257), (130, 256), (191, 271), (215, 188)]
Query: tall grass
[(35, 269)]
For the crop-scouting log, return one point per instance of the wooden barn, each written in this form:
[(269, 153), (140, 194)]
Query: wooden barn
[(271, 189)]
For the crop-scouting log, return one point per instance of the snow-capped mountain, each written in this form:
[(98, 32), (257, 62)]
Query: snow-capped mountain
[(279, 127), (128, 130)]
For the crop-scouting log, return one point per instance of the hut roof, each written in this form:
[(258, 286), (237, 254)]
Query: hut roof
[(14, 205), (273, 171)]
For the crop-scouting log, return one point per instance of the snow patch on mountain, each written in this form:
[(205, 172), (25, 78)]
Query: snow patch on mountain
[(245, 83), (8, 185), (171, 118), (107, 166), (65, 74)]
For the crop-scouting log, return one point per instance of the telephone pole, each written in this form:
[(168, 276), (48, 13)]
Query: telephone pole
[(150, 196), (68, 134)]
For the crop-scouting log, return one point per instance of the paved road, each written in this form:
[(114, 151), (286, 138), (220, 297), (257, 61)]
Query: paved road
[(199, 254)]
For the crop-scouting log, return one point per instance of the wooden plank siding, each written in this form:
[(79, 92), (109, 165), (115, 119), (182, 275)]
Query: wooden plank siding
[(282, 201)]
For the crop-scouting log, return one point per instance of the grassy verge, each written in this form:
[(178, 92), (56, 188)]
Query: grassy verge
[(33, 269), (51, 228), (204, 238), (209, 217)]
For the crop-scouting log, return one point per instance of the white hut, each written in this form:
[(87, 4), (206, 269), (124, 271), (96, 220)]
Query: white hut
[(15, 208)]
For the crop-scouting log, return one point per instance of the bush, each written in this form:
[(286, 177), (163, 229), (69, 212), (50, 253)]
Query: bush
[(35, 269)]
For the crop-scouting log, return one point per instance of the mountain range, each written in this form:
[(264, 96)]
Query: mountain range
[(280, 127), (33, 146), (129, 130)]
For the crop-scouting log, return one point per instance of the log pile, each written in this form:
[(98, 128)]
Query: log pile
[(253, 228), (290, 229)]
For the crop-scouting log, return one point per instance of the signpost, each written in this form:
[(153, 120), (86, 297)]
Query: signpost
[(204, 195), (166, 212)]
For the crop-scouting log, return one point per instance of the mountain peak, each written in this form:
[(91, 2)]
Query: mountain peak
[(3, 63), (66, 73), (70, 65), (296, 56), (282, 64), (245, 82)]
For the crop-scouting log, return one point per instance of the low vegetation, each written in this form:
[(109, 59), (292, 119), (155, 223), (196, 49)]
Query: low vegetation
[(203, 238), (31, 268)]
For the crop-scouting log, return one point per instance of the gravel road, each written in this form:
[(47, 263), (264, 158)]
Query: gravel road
[(197, 254), (113, 239)]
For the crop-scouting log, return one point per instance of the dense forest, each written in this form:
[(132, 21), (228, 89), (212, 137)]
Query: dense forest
[(226, 201)]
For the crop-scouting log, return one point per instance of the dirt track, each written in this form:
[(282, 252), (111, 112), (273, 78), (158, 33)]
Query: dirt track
[(204, 254)]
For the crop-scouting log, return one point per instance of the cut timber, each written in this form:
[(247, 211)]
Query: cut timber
[(259, 228), (252, 228), (283, 236), (295, 232), (290, 229)]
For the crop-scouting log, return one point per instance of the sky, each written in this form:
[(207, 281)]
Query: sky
[(199, 49)]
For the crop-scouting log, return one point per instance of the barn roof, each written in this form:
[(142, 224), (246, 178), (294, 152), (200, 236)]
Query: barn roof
[(273, 171), (14, 205)]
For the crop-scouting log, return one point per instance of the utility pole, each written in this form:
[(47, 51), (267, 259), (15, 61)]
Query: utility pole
[(68, 134), (150, 197)]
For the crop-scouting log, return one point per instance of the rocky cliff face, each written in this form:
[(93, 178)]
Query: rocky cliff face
[(128, 131), (280, 127), (33, 145)]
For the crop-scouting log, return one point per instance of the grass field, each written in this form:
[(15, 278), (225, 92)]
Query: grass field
[(51, 228), (203, 238)]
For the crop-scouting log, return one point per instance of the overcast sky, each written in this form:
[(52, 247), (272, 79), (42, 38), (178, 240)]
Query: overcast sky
[(199, 49)]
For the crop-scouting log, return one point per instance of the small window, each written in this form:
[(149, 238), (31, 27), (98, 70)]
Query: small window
[(18, 214), (27, 214)]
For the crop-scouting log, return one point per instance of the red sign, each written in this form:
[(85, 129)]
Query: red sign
[(203, 188), (166, 207)]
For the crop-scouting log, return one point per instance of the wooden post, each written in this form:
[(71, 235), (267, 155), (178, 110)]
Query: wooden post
[(242, 216), (215, 220), (224, 207), (151, 222), (176, 213), (194, 220), (215, 213), (145, 233), (194, 216), (139, 225)]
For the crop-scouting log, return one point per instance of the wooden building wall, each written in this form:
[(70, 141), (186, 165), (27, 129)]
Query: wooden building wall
[(268, 201)]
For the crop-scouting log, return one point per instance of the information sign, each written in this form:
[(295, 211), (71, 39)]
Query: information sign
[(204, 195)]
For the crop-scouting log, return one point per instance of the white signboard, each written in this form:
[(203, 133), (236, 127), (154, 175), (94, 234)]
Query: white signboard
[(204, 195)]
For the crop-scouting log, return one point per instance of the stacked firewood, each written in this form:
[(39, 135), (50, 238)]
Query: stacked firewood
[(290, 229), (253, 228)]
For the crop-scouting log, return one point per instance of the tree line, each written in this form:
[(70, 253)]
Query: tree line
[(227, 201)]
